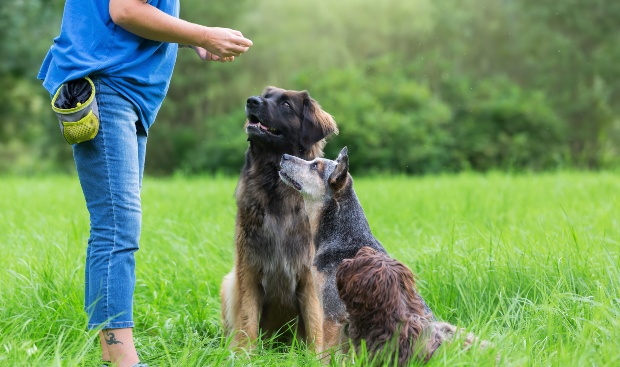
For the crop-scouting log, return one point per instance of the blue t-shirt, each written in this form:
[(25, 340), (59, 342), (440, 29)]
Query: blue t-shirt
[(91, 44)]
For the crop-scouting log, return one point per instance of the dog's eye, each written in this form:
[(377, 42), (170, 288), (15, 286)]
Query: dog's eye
[(286, 104), (314, 166)]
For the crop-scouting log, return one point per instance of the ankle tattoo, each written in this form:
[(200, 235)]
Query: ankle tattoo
[(110, 339)]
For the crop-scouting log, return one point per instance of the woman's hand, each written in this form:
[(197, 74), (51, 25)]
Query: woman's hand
[(225, 42)]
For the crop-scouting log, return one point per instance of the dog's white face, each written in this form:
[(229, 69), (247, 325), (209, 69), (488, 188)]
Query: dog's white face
[(317, 180)]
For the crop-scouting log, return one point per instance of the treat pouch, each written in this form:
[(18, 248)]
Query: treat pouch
[(76, 107)]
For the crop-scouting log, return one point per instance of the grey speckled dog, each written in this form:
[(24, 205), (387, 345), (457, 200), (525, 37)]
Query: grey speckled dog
[(338, 226)]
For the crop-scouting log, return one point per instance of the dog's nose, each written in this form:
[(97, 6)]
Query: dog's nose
[(254, 101), (286, 157)]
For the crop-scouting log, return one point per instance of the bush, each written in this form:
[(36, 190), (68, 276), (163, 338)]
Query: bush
[(496, 124), (388, 122), (217, 145), (392, 123), (223, 148)]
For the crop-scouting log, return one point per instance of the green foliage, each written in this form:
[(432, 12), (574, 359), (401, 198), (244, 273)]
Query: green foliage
[(224, 147), (548, 69), (388, 121), (28, 133), (567, 49), (394, 123), (496, 124)]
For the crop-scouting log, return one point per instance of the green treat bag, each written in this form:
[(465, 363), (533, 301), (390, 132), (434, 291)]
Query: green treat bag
[(76, 108)]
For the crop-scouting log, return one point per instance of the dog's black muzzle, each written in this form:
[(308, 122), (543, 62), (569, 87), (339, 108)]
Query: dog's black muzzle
[(258, 125), (253, 108)]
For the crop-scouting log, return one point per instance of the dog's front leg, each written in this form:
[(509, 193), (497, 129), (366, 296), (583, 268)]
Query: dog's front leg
[(250, 301), (311, 311)]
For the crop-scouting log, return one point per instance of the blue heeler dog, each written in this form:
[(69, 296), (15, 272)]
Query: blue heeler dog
[(338, 227)]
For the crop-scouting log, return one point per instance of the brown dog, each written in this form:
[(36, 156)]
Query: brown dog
[(271, 286), (385, 311)]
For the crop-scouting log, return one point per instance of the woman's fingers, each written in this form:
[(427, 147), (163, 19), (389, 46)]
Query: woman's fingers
[(226, 42)]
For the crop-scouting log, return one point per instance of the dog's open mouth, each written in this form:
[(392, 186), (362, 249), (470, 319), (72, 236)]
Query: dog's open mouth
[(254, 122), (289, 181)]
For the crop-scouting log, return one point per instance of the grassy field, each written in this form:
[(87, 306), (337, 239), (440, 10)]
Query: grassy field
[(530, 262)]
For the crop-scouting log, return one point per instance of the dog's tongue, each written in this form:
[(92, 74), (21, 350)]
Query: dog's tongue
[(265, 128)]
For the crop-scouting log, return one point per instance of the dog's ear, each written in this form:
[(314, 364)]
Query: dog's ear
[(317, 124), (366, 284), (338, 178), (344, 152)]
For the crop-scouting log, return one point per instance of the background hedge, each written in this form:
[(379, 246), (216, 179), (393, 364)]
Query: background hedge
[(416, 86)]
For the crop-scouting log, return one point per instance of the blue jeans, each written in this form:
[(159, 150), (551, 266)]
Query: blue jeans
[(110, 168)]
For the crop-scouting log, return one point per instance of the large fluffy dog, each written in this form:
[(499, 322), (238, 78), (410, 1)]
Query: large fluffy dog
[(386, 312), (271, 286), (339, 229)]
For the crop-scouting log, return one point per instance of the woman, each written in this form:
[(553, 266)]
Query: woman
[(128, 49)]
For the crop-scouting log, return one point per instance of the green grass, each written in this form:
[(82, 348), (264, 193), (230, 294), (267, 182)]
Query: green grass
[(529, 262)]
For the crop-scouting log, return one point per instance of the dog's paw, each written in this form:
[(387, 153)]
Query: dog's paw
[(471, 339)]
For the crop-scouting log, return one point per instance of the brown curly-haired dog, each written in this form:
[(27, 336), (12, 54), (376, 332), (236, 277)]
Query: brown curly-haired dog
[(384, 310)]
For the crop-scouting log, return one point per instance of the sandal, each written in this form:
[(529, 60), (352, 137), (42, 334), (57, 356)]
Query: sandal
[(108, 363)]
